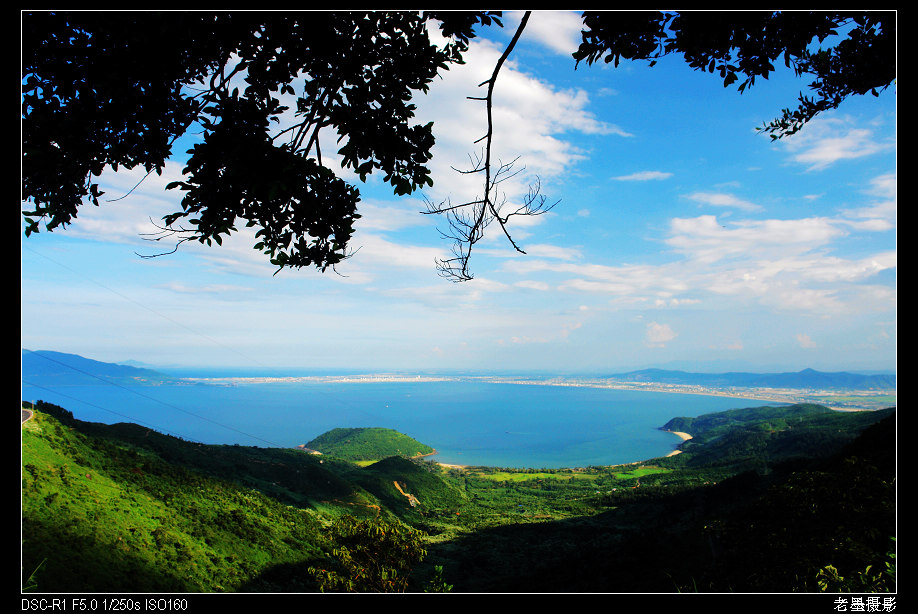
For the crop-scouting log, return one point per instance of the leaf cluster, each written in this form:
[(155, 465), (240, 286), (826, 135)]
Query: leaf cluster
[(742, 46), (101, 90), (117, 90), (372, 555)]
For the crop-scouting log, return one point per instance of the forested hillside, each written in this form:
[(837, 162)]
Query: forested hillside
[(367, 444), (773, 500)]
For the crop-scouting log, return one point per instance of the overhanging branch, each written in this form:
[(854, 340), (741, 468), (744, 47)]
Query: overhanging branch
[(467, 221)]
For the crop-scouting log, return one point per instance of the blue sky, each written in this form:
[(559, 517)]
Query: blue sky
[(681, 239)]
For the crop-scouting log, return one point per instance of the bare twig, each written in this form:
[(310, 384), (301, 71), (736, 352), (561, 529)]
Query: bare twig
[(467, 221), (162, 233)]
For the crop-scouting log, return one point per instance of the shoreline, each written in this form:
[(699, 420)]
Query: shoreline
[(768, 395), (681, 435)]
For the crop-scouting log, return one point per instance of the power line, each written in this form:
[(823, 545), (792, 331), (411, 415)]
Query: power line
[(133, 391), (131, 418), (146, 307)]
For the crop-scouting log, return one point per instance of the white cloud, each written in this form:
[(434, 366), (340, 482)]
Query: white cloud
[(626, 280), (644, 176), (389, 216), (532, 285), (675, 302), (881, 213), (559, 31), (552, 251), (658, 335), (530, 118), (885, 186), (705, 239), (132, 206), (221, 289), (804, 341), (719, 199), (833, 270), (783, 264), (543, 336), (823, 142), (375, 251)]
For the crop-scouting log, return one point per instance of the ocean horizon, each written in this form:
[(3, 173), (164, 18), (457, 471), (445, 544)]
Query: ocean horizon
[(514, 425)]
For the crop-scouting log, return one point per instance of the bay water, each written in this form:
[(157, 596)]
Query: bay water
[(468, 422)]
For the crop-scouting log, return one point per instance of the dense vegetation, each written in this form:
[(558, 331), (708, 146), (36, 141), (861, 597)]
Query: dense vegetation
[(765, 500), (367, 444)]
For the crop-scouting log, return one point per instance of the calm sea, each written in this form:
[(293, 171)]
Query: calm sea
[(468, 422)]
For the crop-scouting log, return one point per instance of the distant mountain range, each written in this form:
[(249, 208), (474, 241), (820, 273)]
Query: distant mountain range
[(807, 378), (45, 367), (56, 368)]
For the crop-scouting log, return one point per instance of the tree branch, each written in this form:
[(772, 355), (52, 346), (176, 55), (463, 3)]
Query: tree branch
[(468, 221)]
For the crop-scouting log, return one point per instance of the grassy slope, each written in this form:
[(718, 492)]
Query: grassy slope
[(120, 507), (97, 516)]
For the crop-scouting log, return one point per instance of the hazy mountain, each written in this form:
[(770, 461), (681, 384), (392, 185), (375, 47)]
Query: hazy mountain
[(71, 369), (807, 378), (57, 368)]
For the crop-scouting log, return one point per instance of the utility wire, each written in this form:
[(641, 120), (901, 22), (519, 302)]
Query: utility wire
[(132, 391), (147, 307), (127, 417), (247, 359)]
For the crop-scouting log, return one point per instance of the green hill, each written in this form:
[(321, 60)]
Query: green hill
[(744, 438), (783, 524), (767, 500), (412, 491), (103, 515), (367, 444), (123, 508)]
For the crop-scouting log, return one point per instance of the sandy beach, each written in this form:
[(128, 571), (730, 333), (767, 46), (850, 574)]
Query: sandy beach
[(680, 435)]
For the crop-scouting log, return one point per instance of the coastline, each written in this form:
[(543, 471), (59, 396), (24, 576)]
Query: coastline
[(768, 395), (683, 436)]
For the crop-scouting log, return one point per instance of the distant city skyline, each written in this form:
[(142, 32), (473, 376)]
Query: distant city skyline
[(682, 239)]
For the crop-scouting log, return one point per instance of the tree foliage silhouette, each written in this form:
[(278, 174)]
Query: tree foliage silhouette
[(741, 46), (117, 89)]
